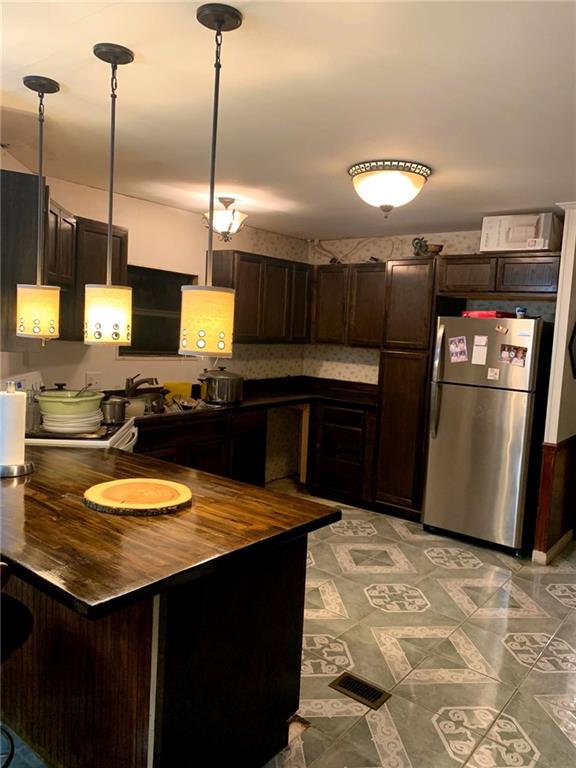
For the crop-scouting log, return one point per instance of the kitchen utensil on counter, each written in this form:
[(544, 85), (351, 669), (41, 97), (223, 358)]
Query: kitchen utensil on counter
[(221, 386), (12, 431), (138, 496), (65, 402), (114, 409), (182, 389), (81, 391)]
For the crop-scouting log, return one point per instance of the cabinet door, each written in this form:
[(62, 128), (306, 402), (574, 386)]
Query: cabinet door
[(247, 313), (528, 274), (247, 447), (367, 299), (301, 302), (466, 274), (91, 240), (331, 304), (276, 301), (51, 272), (66, 247), (207, 456), (403, 397), (409, 293)]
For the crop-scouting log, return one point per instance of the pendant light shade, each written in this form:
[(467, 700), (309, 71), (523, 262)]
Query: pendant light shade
[(388, 184), (108, 315), (108, 308), (207, 314), (227, 222), (207, 322), (38, 311), (38, 306)]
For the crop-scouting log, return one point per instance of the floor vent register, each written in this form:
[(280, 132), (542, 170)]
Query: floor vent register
[(361, 690)]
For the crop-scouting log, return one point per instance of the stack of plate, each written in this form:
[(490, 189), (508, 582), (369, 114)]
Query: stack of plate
[(72, 424)]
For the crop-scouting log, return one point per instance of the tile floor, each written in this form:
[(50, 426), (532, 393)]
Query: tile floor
[(478, 649)]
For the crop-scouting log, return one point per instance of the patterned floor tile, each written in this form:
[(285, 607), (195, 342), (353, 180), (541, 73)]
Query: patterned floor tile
[(467, 594), (400, 735), (507, 657), (536, 727), (329, 712), (438, 686), (423, 632), (523, 599), (302, 750)]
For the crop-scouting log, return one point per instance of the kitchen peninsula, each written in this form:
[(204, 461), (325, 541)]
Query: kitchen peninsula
[(157, 641)]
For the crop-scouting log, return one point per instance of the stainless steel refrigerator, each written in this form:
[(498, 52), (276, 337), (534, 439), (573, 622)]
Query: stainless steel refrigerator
[(483, 393)]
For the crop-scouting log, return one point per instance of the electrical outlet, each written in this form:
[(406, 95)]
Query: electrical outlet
[(93, 379)]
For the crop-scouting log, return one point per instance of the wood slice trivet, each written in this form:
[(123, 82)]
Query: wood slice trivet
[(137, 496)]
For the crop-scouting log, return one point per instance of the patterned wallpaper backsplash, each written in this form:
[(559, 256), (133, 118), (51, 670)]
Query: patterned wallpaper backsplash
[(399, 247), (347, 363), (271, 244), (282, 443), (266, 361)]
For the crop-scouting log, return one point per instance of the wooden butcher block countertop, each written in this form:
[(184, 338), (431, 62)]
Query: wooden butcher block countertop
[(96, 562)]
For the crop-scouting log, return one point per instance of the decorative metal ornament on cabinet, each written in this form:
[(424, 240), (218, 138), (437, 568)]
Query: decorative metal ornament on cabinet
[(108, 308), (38, 306), (207, 315), (388, 184)]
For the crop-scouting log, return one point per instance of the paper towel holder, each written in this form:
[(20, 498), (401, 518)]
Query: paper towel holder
[(15, 470)]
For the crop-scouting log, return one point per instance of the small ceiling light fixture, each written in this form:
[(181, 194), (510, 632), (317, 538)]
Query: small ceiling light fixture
[(387, 184), (108, 308), (207, 315), (227, 222), (38, 306)]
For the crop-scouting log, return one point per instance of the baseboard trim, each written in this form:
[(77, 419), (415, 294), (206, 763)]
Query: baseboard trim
[(544, 558)]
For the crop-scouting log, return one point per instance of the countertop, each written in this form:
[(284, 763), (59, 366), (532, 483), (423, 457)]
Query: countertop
[(95, 562)]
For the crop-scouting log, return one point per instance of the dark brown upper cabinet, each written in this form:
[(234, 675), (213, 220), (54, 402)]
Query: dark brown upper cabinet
[(91, 252), (272, 303), (409, 292), (301, 302), (332, 304), (467, 274), (276, 301), (528, 274), (60, 246), (366, 304)]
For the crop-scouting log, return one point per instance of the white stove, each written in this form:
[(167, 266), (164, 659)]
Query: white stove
[(123, 438)]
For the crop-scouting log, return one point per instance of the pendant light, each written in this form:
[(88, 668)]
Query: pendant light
[(207, 315), (108, 308), (38, 306), (227, 222), (387, 184)]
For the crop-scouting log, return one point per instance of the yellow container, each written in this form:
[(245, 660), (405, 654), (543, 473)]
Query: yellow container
[(182, 389)]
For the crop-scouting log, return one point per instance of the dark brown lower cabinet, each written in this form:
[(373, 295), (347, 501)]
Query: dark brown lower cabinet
[(232, 445), (401, 447), (340, 451)]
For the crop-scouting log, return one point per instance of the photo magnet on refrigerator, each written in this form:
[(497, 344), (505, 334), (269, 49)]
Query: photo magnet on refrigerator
[(493, 374)]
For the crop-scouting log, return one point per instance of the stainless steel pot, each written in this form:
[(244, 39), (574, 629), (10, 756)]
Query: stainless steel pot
[(114, 410), (221, 386)]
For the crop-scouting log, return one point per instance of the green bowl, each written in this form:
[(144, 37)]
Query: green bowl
[(64, 403)]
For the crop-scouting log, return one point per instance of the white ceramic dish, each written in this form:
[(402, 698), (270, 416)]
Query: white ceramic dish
[(58, 419), (66, 403)]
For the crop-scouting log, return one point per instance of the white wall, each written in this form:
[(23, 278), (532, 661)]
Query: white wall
[(561, 411)]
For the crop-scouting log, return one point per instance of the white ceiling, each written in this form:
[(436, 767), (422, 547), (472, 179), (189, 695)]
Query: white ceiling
[(484, 92)]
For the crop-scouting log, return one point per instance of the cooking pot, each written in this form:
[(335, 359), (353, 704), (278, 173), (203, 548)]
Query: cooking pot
[(221, 386), (114, 410)]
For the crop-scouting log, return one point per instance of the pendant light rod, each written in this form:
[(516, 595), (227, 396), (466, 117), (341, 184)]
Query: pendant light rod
[(220, 18), (41, 85), (114, 55)]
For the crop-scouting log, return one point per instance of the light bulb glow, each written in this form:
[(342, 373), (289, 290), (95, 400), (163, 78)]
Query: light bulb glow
[(38, 311), (108, 315), (388, 183), (206, 321)]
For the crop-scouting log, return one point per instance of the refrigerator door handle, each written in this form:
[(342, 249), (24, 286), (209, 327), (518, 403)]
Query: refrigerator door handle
[(435, 394), (438, 352)]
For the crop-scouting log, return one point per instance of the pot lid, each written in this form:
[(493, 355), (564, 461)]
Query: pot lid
[(219, 373)]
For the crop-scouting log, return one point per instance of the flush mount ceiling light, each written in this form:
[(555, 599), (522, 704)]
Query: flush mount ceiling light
[(387, 184), (227, 222), (38, 306), (108, 308), (207, 316)]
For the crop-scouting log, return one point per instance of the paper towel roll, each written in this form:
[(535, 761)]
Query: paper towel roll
[(12, 427)]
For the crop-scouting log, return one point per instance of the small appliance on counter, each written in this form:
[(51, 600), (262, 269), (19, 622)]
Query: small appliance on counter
[(221, 387)]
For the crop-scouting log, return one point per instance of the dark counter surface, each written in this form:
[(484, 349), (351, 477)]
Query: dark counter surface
[(95, 562)]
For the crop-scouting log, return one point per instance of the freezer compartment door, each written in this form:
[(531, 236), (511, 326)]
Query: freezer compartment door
[(478, 462), (500, 352)]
